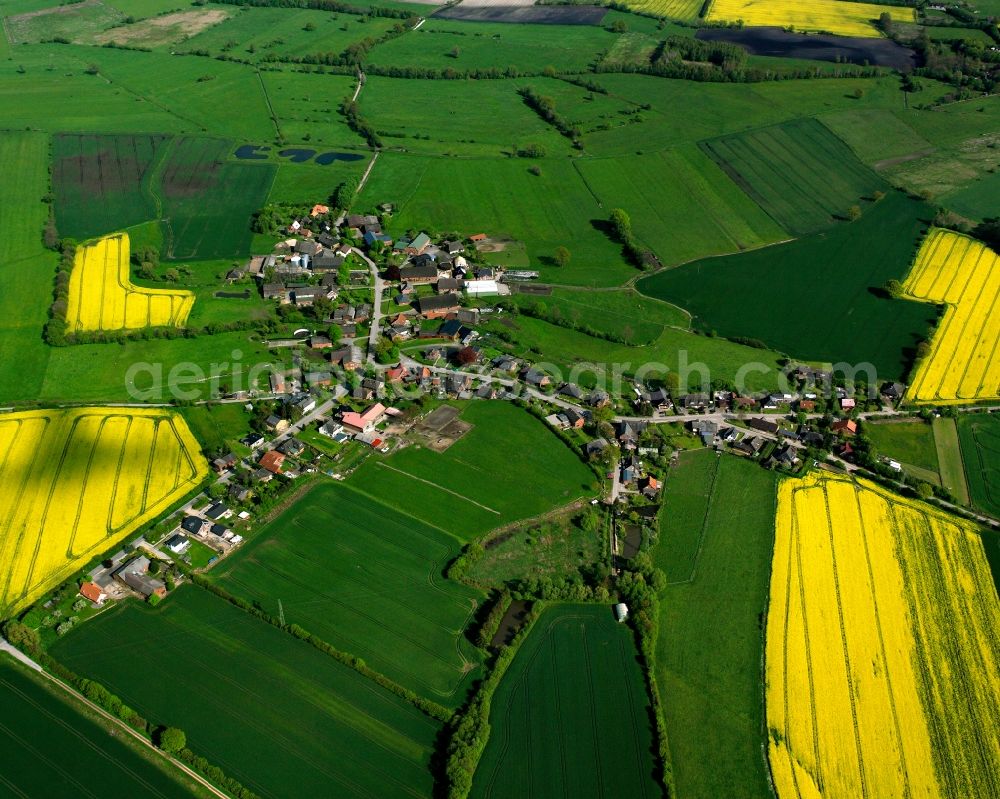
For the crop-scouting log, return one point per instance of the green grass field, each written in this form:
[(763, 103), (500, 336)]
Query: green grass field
[(306, 107), (977, 200), (578, 666), (367, 579), (217, 426), (585, 359), (504, 200), (266, 34), (876, 135), (802, 175), (687, 502), (681, 204), (471, 487), (710, 647), (75, 24), (30, 270), (911, 443), (774, 294), (54, 746), (102, 183), (951, 459), (627, 313), (979, 435), (278, 715), (484, 45), (207, 202), (558, 548), (464, 121)]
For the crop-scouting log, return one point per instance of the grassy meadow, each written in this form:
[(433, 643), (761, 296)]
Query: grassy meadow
[(716, 537), (444, 43), (367, 579), (636, 318), (773, 294), (55, 746), (585, 359), (470, 488), (579, 666), (278, 715), (979, 435), (681, 204), (504, 200), (802, 175), (29, 269), (909, 442)]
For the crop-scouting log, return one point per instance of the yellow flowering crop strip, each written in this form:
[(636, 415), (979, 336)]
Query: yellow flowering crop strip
[(101, 296), (965, 275), (815, 16), (78, 481), (882, 649), (675, 9)]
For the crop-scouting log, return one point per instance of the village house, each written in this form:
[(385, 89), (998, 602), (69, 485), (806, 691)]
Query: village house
[(438, 306), (276, 424), (92, 592), (225, 463), (272, 461), (179, 544), (764, 425), (218, 511), (135, 575), (845, 427), (420, 243), (364, 422)]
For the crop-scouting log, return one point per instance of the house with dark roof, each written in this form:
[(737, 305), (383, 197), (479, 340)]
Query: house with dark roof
[(438, 306)]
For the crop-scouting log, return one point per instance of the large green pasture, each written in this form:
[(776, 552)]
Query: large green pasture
[(626, 313), (687, 501), (681, 204), (910, 442), (585, 359), (687, 111), (710, 649), (268, 34), (500, 197), (307, 109), (28, 270), (477, 484), (207, 202), (53, 746), (458, 45), (366, 578), (456, 117), (278, 715), (877, 135), (979, 436), (102, 183), (571, 716), (217, 426), (820, 297), (802, 175)]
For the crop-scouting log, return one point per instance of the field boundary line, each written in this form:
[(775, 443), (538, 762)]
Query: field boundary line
[(439, 487), (267, 101)]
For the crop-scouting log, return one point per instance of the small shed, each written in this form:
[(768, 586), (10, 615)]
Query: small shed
[(621, 612)]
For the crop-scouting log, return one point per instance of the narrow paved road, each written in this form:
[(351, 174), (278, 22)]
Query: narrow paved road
[(376, 322)]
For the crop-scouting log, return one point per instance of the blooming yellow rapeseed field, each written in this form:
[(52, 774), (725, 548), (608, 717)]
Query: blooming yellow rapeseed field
[(675, 9), (101, 296), (76, 482), (883, 648), (817, 16), (963, 365)]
